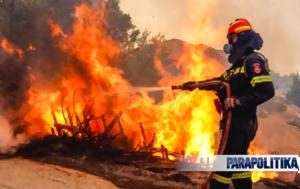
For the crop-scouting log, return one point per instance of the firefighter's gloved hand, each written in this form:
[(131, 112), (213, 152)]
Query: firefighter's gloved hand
[(189, 86), (231, 102)]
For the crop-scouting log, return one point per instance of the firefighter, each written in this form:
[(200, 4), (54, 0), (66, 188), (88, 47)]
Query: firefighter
[(251, 85)]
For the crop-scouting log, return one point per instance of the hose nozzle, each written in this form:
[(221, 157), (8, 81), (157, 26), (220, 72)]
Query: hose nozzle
[(176, 87)]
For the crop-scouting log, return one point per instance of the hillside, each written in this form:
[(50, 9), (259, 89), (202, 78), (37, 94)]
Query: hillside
[(140, 71)]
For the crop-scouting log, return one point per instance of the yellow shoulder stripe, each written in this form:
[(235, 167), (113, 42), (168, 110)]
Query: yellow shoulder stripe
[(260, 79)]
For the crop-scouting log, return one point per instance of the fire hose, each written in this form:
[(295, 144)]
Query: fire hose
[(227, 114)]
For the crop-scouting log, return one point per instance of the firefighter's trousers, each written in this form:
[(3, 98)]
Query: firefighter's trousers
[(237, 144)]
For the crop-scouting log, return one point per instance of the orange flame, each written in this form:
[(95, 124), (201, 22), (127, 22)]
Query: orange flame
[(10, 48), (55, 29), (7, 46), (185, 121), (256, 176), (31, 48)]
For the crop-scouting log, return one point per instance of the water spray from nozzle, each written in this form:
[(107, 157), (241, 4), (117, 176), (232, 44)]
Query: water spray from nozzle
[(138, 90), (152, 89)]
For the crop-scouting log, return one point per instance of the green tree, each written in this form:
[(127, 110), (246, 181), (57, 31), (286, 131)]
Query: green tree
[(119, 25), (293, 94)]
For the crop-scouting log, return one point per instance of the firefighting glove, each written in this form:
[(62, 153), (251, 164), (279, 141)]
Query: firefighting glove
[(231, 102), (189, 86)]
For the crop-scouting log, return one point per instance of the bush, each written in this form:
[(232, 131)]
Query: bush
[(294, 93)]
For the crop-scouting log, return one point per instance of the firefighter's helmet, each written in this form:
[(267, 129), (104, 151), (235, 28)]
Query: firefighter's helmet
[(238, 26)]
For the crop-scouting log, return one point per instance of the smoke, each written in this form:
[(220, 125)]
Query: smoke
[(9, 142), (206, 21), (14, 84)]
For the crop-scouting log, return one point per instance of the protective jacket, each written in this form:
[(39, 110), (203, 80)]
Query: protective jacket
[(251, 84)]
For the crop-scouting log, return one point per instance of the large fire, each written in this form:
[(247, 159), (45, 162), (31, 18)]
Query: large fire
[(185, 121)]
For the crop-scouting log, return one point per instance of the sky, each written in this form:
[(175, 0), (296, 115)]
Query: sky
[(206, 21)]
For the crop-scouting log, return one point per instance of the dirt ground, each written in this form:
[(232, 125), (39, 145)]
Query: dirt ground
[(19, 173), (276, 135)]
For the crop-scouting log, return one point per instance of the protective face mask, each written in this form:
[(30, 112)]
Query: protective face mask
[(228, 48)]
